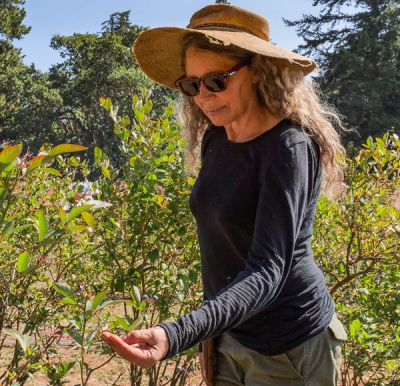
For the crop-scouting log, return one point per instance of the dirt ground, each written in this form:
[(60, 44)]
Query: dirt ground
[(114, 373)]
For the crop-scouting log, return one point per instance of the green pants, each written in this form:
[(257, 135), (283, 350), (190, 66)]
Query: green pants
[(316, 362)]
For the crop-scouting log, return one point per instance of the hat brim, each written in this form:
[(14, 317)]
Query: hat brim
[(158, 51)]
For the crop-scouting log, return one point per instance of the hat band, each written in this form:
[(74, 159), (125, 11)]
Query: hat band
[(225, 27)]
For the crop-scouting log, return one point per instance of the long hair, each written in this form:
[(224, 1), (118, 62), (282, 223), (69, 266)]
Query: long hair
[(284, 92)]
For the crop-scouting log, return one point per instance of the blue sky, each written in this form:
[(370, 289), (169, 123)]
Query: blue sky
[(51, 17)]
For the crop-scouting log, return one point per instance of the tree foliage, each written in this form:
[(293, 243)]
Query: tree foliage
[(28, 102), (357, 44), (95, 66), (11, 27), (63, 104)]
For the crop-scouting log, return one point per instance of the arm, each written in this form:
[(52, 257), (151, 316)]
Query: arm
[(285, 189), (282, 202)]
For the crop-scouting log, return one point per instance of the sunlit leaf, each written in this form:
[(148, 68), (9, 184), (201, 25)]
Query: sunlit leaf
[(106, 172), (65, 290), (68, 301), (65, 148), (98, 299), (53, 172), (42, 225), (23, 261), (98, 154), (89, 219), (24, 340), (75, 212), (10, 153), (136, 297)]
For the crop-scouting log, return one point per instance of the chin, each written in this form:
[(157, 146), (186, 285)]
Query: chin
[(217, 121)]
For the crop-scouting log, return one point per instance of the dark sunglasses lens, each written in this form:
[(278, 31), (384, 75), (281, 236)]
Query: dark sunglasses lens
[(189, 87), (215, 82)]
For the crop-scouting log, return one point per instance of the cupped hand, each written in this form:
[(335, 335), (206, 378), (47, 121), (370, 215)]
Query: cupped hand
[(141, 347)]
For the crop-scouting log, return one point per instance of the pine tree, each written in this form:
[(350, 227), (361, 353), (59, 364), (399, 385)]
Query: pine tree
[(357, 44), (11, 16)]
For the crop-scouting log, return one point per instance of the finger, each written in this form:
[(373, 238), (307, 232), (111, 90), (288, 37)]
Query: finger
[(139, 356), (107, 336), (140, 336)]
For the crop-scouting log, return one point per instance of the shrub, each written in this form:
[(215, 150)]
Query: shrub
[(357, 243), (70, 249)]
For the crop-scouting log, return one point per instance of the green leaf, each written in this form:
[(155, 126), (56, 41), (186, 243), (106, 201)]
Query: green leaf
[(153, 255), (42, 225), (109, 303), (75, 212), (75, 335), (98, 154), (35, 162), (65, 148), (24, 340), (106, 103), (10, 231), (98, 299), (89, 339), (63, 215), (122, 323), (23, 261), (135, 324), (65, 290), (8, 155), (79, 228), (7, 247), (136, 298), (53, 172), (89, 219), (68, 301), (355, 326), (106, 172), (125, 120)]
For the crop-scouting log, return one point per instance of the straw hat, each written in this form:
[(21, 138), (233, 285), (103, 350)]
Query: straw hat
[(159, 50)]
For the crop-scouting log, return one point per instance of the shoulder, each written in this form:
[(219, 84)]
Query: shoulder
[(283, 139), (289, 149), (294, 139), (291, 134)]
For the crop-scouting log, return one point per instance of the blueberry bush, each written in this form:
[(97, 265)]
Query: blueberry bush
[(82, 250)]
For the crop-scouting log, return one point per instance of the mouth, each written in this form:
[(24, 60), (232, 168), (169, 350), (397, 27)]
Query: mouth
[(214, 111)]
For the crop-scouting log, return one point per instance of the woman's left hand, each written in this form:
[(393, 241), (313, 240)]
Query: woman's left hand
[(142, 347)]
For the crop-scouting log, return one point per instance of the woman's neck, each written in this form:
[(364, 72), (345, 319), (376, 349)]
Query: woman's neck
[(251, 126)]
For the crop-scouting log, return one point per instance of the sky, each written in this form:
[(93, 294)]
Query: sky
[(65, 17)]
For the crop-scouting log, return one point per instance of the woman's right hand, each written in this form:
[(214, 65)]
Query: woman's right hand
[(142, 347)]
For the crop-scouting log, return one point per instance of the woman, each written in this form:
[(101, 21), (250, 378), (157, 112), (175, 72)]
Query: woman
[(267, 146)]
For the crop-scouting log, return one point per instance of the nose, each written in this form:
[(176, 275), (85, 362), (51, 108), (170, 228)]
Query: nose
[(203, 91)]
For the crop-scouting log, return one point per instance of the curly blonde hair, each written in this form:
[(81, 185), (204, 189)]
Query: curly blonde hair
[(284, 92)]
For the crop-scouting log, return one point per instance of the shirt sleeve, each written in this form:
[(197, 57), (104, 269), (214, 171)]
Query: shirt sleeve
[(282, 203)]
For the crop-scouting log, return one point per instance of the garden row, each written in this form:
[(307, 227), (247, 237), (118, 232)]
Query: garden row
[(79, 254)]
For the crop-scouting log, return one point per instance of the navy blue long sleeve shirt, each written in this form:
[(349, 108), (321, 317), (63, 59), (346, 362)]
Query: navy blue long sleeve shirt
[(254, 205)]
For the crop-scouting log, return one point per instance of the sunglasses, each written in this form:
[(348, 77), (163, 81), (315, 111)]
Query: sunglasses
[(215, 82)]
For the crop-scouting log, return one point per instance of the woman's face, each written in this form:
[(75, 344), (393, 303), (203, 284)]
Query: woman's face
[(232, 105)]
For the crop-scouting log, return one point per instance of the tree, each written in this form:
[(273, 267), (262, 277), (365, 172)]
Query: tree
[(95, 66), (11, 27), (28, 104), (359, 54), (31, 109)]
